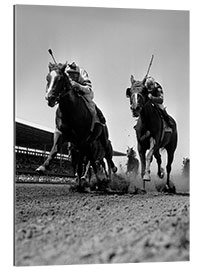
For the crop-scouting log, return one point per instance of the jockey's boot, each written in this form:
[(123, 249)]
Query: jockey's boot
[(167, 118), (100, 116)]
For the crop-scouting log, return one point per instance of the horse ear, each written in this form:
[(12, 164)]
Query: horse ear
[(50, 66), (132, 79), (64, 66)]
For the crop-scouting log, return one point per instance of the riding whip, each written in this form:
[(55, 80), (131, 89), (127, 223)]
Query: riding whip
[(150, 65), (50, 51)]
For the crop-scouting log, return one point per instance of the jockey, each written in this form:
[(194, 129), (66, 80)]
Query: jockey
[(156, 95), (82, 85)]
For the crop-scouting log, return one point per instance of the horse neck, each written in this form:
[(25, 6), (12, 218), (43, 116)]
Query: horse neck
[(151, 118), (67, 103), (74, 110)]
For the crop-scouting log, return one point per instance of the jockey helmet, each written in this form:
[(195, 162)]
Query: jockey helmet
[(150, 82), (77, 74), (74, 71), (73, 68)]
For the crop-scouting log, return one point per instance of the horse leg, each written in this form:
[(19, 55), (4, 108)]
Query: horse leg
[(83, 178), (169, 185), (143, 160), (89, 148), (74, 153), (108, 156), (113, 166), (106, 143), (147, 176), (58, 140), (104, 167), (102, 177), (160, 172), (101, 132), (109, 165)]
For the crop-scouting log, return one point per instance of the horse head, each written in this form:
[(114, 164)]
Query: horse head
[(138, 96), (131, 152), (58, 83)]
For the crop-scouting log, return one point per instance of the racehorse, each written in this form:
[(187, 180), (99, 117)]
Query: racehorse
[(152, 133), (73, 124), (186, 167), (133, 162)]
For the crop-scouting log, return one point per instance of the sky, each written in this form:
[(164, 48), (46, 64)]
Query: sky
[(111, 44)]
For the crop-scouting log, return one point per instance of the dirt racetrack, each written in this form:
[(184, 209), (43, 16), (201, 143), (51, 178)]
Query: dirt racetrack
[(54, 226)]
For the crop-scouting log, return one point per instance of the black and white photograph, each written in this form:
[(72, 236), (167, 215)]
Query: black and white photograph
[(102, 135)]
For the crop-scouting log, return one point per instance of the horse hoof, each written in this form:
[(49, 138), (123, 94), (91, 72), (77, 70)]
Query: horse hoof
[(114, 169), (141, 191), (93, 187), (40, 169), (172, 189), (103, 185), (80, 189), (83, 182), (161, 174), (169, 189), (159, 186), (147, 178)]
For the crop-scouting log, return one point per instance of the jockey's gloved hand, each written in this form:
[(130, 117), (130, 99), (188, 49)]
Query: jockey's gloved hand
[(75, 85)]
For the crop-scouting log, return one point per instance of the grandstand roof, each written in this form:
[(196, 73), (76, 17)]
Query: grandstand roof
[(35, 137)]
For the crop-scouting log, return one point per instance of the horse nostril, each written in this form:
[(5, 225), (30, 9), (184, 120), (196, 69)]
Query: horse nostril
[(133, 109), (47, 96), (50, 97)]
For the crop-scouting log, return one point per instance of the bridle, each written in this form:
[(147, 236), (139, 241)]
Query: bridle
[(134, 99), (66, 85), (65, 91)]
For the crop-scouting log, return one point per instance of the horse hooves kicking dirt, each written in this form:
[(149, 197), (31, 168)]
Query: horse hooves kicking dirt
[(166, 188)]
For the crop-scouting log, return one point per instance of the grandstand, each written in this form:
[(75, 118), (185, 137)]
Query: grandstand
[(32, 146)]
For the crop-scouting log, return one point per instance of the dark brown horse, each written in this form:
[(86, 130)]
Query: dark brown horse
[(132, 163), (73, 124), (152, 133)]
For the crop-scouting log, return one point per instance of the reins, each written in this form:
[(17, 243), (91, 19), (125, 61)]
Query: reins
[(65, 91)]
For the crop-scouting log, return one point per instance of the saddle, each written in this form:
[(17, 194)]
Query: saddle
[(165, 126), (96, 113)]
